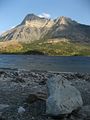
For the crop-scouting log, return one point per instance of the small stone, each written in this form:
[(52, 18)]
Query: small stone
[(32, 118), (21, 110)]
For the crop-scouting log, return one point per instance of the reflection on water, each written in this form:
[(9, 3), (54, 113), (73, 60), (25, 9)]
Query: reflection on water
[(51, 63)]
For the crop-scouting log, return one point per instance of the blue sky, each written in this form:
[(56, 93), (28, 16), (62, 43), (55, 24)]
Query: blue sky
[(12, 12)]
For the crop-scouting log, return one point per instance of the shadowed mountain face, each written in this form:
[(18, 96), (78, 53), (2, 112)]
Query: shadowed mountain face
[(34, 28)]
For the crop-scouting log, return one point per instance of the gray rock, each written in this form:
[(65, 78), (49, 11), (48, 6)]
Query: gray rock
[(63, 97), (21, 110), (3, 106)]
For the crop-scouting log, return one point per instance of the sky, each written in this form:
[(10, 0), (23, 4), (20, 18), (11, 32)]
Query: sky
[(12, 12)]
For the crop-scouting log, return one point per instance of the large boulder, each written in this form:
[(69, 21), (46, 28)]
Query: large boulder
[(63, 97)]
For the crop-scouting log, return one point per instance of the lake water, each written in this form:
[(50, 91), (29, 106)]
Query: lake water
[(50, 63)]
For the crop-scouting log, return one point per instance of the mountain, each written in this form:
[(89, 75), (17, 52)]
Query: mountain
[(69, 29), (35, 28), (38, 31), (31, 28)]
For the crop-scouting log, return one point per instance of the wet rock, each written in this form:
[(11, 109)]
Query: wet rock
[(63, 97)]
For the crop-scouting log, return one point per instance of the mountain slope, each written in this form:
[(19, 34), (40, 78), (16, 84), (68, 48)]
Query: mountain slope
[(61, 36), (31, 28), (66, 28)]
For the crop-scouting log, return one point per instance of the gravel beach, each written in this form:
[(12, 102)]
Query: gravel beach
[(28, 90)]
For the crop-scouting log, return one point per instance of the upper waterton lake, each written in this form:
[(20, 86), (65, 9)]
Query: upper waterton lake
[(50, 63)]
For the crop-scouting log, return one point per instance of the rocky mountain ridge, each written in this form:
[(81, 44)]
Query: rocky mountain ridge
[(36, 28)]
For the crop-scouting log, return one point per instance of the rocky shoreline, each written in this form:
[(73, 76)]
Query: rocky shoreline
[(27, 89)]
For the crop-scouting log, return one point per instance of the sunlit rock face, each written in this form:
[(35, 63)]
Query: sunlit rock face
[(39, 23), (32, 20)]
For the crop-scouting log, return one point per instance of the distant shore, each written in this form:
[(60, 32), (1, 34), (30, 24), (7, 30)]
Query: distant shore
[(41, 54)]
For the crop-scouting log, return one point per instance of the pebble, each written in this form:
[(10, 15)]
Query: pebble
[(21, 110)]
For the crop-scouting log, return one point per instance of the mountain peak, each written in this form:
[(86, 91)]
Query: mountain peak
[(31, 17), (65, 21)]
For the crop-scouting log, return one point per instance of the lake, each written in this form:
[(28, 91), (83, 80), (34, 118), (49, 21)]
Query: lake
[(50, 63)]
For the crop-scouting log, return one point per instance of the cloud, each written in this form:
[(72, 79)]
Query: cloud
[(12, 27), (44, 15)]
